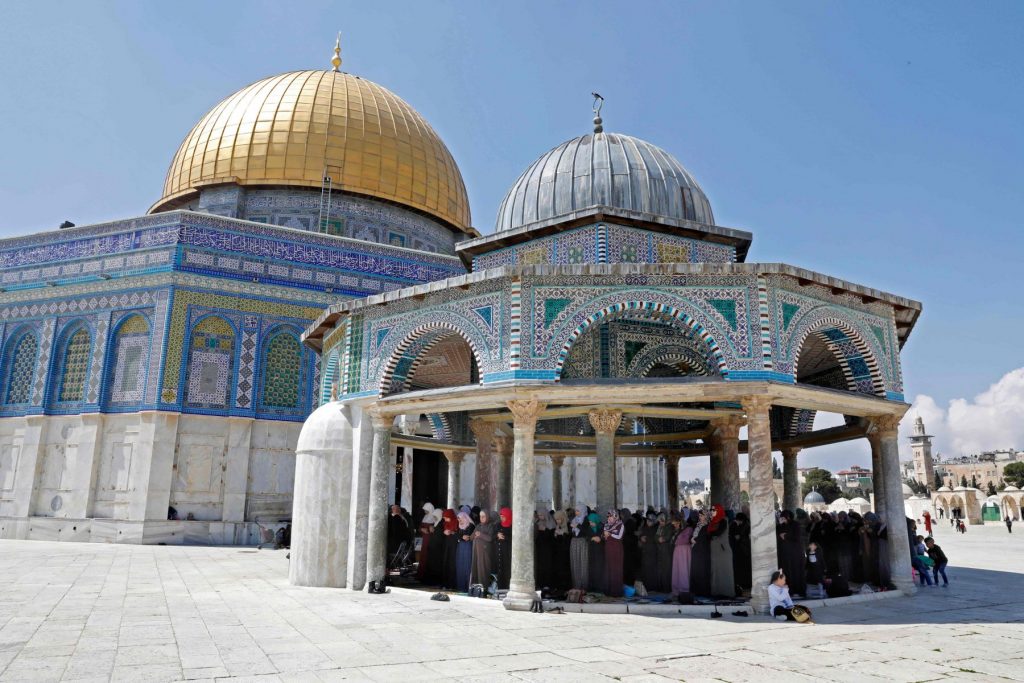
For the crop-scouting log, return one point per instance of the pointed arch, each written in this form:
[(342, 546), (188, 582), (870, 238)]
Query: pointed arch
[(283, 372), (71, 364), (20, 357), (856, 359), (407, 355), (650, 309), (128, 365), (210, 364)]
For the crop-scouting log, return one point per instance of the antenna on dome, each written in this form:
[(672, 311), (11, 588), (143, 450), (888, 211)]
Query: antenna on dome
[(598, 103), (336, 59)]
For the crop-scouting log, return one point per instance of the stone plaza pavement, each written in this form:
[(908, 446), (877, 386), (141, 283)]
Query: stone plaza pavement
[(72, 611)]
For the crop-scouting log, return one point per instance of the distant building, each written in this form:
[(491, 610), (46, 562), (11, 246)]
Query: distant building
[(921, 445), (856, 477)]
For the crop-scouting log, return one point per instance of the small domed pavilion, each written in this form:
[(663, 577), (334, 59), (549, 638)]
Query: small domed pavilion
[(607, 328)]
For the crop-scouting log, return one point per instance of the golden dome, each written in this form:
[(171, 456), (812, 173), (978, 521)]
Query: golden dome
[(294, 128)]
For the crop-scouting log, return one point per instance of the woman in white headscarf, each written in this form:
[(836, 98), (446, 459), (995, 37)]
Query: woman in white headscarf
[(426, 529)]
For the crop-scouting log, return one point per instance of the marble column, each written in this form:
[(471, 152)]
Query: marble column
[(359, 516), (715, 471), (571, 484), (605, 422), (407, 424), (377, 536), (556, 482), (672, 482), (727, 436), (322, 504), (877, 474), (503, 461), (483, 487), (791, 498), (522, 588), (884, 429), (454, 477), (764, 554)]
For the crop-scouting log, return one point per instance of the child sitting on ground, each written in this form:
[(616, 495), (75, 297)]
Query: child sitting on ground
[(780, 605)]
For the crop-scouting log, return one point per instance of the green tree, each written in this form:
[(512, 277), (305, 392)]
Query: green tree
[(963, 480), (974, 482), (938, 481), (991, 489), (776, 472), (1014, 474), (914, 485), (823, 482)]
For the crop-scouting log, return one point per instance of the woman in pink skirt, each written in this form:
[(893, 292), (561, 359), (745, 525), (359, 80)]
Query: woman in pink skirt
[(681, 557)]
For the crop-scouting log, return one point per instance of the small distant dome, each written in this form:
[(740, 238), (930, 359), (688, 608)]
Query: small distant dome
[(814, 498), (944, 489), (1011, 487), (993, 499), (859, 501), (323, 430), (962, 488), (603, 170)]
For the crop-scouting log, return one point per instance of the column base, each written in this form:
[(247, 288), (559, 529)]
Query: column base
[(908, 587), (759, 602), (519, 602)]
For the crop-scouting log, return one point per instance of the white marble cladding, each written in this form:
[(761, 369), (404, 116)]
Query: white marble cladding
[(113, 477)]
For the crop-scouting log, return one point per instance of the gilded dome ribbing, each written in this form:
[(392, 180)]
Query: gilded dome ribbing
[(292, 128)]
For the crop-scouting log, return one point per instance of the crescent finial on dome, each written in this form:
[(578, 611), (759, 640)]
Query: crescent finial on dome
[(336, 59)]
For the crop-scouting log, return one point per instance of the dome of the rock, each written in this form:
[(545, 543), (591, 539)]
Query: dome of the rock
[(296, 128), (604, 170)]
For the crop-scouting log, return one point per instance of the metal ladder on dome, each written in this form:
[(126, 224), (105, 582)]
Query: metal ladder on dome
[(325, 202)]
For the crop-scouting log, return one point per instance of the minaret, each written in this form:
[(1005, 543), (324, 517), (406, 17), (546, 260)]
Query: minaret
[(921, 444)]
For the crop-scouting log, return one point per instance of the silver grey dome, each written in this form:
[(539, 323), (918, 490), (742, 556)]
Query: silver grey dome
[(604, 169), (814, 498)]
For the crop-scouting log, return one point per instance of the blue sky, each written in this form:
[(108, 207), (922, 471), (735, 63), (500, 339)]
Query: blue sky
[(878, 142)]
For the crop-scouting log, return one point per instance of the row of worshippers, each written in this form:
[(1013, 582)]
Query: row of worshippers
[(686, 553), (465, 547), (824, 552)]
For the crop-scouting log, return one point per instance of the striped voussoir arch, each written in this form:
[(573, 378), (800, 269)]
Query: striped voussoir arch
[(859, 365), (650, 309), (441, 426), (402, 366)]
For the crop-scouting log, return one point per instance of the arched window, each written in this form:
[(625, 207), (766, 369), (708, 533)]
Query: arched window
[(210, 362), (74, 367), (21, 365), (129, 366), (282, 372)]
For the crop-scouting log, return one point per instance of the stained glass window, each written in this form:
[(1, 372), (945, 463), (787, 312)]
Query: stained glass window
[(74, 367), (22, 370), (282, 371)]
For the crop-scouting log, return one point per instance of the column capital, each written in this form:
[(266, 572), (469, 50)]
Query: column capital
[(483, 431), (756, 405), (672, 459), (790, 451), (526, 412), (557, 460), (454, 456), (381, 420), (726, 427), (883, 425), (605, 420)]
